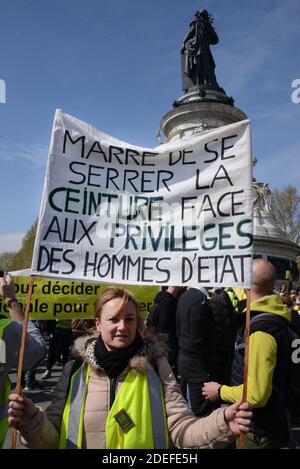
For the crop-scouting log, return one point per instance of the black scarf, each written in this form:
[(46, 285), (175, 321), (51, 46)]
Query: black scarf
[(115, 361)]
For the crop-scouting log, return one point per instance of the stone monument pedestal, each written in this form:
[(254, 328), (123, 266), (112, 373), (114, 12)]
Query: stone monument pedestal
[(195, 116)]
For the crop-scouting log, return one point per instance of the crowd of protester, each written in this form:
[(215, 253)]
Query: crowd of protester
[(188, 353)]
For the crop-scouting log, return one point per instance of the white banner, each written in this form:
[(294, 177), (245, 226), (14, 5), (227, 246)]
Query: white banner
[(178, 214)]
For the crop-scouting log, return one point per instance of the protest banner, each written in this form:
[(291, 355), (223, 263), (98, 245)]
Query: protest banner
[(178, 214), (58, 299)]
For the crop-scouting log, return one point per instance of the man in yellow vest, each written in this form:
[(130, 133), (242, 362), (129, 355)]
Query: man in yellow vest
[(10, 341), (268, 368), (289, 278)]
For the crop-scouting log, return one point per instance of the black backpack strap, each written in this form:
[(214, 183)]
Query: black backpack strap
[(270, 323), (265, 322), (266, 317)]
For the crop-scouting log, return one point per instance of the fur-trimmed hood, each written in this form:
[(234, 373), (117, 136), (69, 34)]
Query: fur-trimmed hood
[(152, 349)]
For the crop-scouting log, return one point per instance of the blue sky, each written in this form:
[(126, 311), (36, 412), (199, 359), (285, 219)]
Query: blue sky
[(116, 65)]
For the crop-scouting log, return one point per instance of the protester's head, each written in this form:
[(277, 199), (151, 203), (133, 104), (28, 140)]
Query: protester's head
[(287, 300), (283, 288), (117, 318), (175, 291), (263, 279), (221, 305)]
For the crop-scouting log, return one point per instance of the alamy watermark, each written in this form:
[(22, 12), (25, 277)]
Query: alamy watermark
[(296, 353), (2, 351), (295, 96), (2, 92)]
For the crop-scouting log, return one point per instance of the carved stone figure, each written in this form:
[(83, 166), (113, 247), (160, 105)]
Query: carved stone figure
[(262, 198)]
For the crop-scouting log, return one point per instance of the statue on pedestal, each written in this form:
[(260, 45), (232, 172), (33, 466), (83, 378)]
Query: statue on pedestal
[(198, 66)]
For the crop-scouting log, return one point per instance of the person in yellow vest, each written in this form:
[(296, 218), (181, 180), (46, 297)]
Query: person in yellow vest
[(121, 393), (10, 341), (268, 368), (289, 278)]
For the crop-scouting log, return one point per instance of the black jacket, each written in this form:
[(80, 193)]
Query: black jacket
[(165, 305), (195, 329)]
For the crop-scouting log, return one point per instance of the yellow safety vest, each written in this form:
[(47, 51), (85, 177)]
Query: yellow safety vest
[(64, 324), (4, 393), (233, 298), (288, 275), (136, 419)]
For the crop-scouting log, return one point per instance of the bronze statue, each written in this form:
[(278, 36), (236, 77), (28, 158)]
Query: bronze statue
[(198, 66)]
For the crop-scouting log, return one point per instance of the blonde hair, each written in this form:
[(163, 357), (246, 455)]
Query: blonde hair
[(112, 293)]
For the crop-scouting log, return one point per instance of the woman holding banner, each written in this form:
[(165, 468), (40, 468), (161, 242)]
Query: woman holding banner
[(120, 393)]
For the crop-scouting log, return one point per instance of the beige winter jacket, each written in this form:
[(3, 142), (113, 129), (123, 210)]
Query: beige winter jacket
[(185, 430)]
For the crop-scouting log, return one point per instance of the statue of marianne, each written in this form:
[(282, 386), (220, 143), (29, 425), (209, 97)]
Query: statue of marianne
[(197, 63)]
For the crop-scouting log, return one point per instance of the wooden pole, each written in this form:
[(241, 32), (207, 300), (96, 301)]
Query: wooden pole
[(22, 351), (246, 359)]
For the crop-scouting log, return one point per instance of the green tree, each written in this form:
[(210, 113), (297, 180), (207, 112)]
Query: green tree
[(6, 259), (22, 259), (287, 212)]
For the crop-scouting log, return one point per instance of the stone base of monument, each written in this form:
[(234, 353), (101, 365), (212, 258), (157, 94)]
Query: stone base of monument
[(281, 253), (195, 116), (202, 93), (283, 249)]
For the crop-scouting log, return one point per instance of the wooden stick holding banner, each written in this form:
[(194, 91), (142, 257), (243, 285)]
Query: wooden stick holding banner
[(246, 359), (22, 351)]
